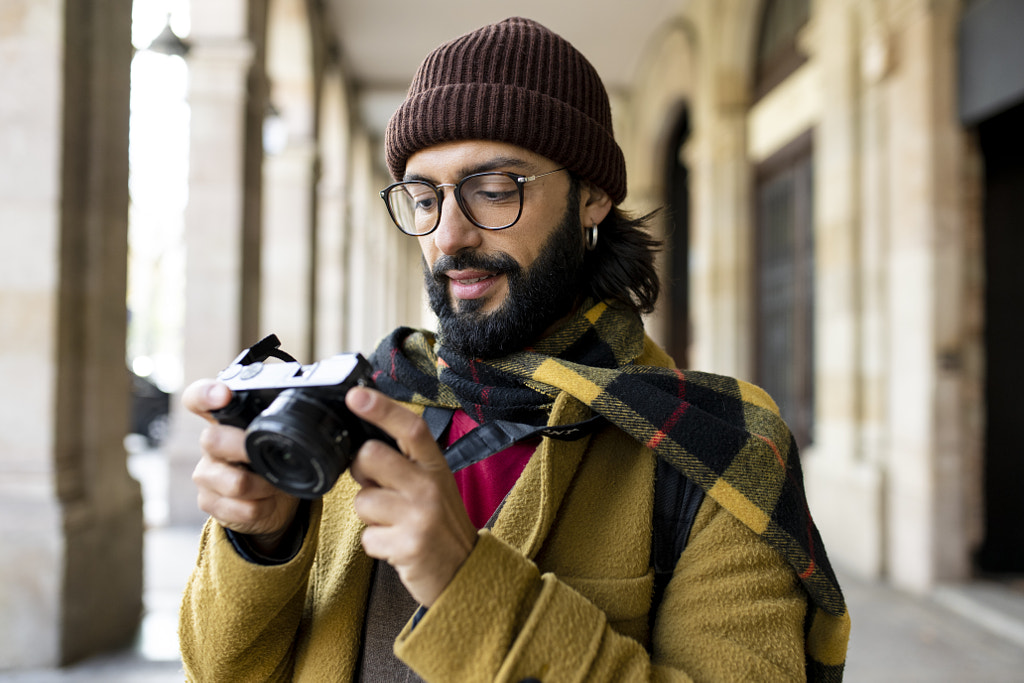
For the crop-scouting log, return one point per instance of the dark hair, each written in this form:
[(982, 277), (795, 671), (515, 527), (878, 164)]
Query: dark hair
[(621, 267)]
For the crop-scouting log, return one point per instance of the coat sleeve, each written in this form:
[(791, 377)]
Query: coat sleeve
[(239, 620), (733, 611)]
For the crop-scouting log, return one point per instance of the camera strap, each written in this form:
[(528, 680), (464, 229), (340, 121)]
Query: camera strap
[(268, 347), (497, 435)]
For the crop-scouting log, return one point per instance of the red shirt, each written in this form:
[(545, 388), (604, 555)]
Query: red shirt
[(485, 484)]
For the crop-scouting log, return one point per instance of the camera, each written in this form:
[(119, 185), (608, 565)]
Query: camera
[(298, 433)]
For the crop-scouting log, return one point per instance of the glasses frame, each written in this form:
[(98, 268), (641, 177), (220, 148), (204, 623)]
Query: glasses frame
[(518, 178)]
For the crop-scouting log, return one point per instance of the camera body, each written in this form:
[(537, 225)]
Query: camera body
[(299, 434)]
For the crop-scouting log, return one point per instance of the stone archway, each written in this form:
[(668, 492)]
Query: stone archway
[(661, 100)]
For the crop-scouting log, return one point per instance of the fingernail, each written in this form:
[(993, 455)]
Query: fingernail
[(358, 399), (217, 392)]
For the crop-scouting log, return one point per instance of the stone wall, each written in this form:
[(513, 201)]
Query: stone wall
[(893, 471), (70, 515)]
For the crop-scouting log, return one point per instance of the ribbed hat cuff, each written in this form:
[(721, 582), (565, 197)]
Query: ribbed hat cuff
[(506, 113)]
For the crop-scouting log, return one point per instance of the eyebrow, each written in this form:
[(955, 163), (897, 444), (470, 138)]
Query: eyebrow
[(490, 165)]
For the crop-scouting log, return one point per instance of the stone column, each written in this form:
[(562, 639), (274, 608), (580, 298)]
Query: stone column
[(927, 532), (364, 296), (287, 258), (70, 514), (836, 205), (331, 210), (219, 61), (721, 239)]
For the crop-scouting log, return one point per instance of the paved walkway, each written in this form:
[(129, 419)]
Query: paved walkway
[(169, 556), (967, 633), (971, 633)]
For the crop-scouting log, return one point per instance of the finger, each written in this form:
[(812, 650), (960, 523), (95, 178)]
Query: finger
[(261, 516), (387, 543), (224, 443), (378, 465), (380, 506), (406, 427), (205, 395), (361, 477), (233, 511), (230, 481)]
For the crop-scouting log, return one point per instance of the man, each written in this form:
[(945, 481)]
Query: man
[(533, 560)]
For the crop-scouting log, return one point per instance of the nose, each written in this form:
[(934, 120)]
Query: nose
[(454, 232)]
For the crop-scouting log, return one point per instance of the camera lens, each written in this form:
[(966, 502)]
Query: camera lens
[(300, 444)]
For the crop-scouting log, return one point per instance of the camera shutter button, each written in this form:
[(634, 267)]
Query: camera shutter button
[(252, 370)]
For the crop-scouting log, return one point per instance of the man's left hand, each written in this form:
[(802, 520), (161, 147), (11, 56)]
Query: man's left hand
[(415, 517)]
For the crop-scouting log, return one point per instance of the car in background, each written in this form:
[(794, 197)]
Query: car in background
[(150, 410)]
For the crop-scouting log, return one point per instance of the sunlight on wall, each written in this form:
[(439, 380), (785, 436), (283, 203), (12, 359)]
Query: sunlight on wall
[(158, 182)]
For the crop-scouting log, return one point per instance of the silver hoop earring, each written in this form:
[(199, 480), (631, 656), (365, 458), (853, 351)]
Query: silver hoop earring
[(591, 237)]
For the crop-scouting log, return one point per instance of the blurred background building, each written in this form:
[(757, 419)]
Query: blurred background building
[(843, 181)]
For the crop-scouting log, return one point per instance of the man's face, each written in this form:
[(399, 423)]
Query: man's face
[(497, 291)]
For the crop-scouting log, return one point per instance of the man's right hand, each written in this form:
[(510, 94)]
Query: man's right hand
[(230, 492)]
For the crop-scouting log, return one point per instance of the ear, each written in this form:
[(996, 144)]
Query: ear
[(594, 204)]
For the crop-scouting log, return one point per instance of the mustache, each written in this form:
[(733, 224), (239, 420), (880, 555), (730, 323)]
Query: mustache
[(495, 263)]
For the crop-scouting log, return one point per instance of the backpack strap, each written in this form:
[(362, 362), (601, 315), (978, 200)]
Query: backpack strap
[(676, 498), (676, 502), (438, 420), (497, 435)]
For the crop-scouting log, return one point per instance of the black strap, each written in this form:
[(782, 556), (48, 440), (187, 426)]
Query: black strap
[(437, 420), (268, 347), (497, 435), (676, 497), (676, 502)]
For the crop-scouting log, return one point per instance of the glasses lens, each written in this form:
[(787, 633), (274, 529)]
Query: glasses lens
[(493, 200), (413, 205)]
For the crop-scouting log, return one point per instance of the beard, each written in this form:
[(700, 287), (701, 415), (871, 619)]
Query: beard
[(537, 297)]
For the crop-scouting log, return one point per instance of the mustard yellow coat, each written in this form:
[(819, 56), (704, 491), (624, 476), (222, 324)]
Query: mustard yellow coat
[(559, 590)]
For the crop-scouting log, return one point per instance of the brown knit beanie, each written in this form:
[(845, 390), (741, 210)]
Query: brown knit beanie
[(515, 82)]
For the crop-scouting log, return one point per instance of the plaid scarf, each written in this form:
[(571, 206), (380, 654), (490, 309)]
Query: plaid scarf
[(722, 433)]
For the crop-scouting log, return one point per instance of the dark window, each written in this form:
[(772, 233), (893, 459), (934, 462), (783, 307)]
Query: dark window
[(785, 284), (778, 54), (677, 201)]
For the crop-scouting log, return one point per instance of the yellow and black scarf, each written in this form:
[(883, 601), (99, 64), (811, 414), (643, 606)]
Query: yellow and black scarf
[(722, 433)]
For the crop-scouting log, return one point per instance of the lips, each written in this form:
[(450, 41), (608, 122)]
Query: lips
[(471, 284)]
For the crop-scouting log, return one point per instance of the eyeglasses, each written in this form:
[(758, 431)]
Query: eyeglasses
[(492, 201)]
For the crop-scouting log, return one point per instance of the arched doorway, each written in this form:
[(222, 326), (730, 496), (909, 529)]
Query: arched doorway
[(991, 101), (1002, 147)]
